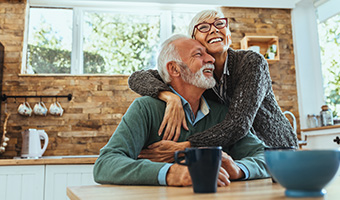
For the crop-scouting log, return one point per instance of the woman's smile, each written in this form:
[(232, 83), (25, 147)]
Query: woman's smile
[(215, 39)]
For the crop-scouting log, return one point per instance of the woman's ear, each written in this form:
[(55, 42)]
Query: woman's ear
[(173, 69)]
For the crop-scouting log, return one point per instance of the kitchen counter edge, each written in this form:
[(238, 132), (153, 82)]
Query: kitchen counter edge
[(47, 161)]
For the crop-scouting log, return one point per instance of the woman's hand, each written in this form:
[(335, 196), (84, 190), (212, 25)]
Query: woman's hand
[(174, 116), (163, 151)]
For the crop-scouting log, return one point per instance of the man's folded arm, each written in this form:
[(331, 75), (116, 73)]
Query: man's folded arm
[(118, 163)]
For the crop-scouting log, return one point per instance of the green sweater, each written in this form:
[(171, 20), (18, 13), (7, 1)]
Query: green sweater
[(118, 163)]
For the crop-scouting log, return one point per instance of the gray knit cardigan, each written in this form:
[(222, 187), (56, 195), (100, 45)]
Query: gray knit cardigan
[(252, 104)]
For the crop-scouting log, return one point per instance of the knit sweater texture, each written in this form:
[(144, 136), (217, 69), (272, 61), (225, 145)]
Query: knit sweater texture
[(118, 162), (252, 104)]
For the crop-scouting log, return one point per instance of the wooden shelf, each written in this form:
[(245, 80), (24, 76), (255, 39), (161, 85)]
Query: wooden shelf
[(264, 42), (320, 128)]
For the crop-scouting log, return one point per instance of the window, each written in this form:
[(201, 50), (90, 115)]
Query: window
[(49, 41), (329, 38), (81, 40), (119, 43)]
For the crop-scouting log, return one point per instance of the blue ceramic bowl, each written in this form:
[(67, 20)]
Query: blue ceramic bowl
[(303, 173)]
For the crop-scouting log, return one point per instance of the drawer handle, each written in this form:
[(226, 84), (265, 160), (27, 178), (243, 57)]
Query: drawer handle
[(337, 140)]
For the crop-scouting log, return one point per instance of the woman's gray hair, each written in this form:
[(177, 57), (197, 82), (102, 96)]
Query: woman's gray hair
[(168, 53), (201, 17)]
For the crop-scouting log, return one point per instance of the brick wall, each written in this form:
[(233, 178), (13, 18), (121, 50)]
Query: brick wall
[(99, 102)]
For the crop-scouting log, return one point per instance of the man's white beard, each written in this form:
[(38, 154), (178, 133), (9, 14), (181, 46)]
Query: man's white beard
[(198, 79)]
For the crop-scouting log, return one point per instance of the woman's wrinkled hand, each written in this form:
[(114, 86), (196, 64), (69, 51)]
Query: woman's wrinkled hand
[(163, 151), (174, 116)]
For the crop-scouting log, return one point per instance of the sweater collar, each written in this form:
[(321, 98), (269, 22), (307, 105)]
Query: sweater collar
[(226, 70), (203, 110)]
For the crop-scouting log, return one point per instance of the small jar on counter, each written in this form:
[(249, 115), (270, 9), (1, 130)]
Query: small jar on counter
[(312, 121), (318, 118), (326, 116)]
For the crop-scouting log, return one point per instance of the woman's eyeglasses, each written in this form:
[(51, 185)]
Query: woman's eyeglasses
[(205, 27)]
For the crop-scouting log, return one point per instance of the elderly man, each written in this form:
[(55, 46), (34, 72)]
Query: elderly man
[(184, 64)]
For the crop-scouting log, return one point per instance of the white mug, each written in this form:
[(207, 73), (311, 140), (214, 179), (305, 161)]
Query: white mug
[(25, 109), (56, 109), (40, 109)]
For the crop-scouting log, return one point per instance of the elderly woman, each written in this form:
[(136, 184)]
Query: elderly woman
[(243, 83)]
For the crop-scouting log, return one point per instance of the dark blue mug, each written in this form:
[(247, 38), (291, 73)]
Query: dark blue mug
[(204, 165)]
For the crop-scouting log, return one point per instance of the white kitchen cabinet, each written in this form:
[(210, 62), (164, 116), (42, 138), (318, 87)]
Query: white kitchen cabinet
[(22, 182), (321, 137), (59, 177), (42, 182)]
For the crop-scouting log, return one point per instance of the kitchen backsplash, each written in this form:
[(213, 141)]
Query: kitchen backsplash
[(99, 102)]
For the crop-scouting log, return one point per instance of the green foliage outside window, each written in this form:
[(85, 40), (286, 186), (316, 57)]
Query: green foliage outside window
[(47, 60), (126, 42), (329, 34), (112, 44)]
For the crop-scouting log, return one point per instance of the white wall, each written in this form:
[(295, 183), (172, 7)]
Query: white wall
[(307, 60)]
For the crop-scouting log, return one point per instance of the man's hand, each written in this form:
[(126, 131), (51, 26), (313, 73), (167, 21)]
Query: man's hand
[(174, 117), (231, 167), (178, 175), (163, 151), (223, 178)]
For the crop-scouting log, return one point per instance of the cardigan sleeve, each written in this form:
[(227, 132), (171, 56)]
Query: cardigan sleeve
[(252, 82), (147, 83), (117, 162)]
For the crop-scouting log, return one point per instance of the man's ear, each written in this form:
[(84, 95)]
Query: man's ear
[(173, 69)]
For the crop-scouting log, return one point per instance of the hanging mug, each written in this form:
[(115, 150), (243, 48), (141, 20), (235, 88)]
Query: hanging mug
[(25, 109), (56, 109), (40, 109)]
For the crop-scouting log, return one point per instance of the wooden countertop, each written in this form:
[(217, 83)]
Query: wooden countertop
[(50, 160), (262, 189), (321, 128)]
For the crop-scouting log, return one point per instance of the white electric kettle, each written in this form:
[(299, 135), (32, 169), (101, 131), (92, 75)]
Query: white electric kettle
[(31, 145)]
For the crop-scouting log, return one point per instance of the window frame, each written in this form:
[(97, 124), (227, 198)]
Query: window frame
[(78, 9), (309, 79)]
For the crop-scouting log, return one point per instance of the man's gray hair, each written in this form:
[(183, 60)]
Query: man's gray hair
[(201, 17), (167, 54)]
